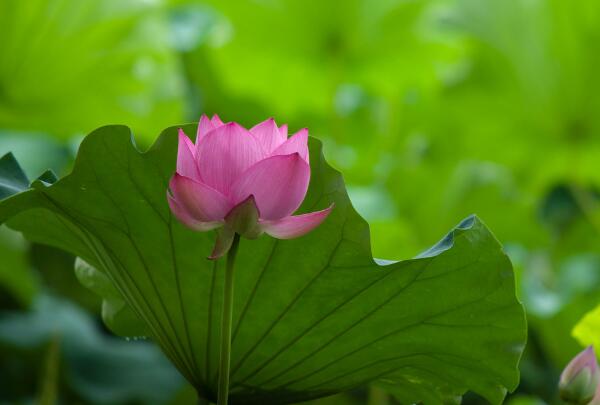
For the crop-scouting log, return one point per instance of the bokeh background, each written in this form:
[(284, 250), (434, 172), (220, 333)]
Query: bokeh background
[(432, 110)]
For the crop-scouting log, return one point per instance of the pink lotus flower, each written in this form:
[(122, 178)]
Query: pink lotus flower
[(580, 379), (242, 181)]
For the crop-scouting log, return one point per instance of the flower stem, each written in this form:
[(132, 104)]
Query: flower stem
[(226, 320), (378, 396)]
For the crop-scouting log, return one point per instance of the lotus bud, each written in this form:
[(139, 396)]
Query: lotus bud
[(580, 379)]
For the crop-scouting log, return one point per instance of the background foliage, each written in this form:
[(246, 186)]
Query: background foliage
[(432, 109)]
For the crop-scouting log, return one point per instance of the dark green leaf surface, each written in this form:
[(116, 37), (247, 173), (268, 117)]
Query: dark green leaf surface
[(312, 316), (115, 313)]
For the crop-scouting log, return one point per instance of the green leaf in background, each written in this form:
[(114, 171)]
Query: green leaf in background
[(313, 316), (16, 280), (36, 152), (69, 66), (18, 284), (587, 330), (122, 372), (12, 177)]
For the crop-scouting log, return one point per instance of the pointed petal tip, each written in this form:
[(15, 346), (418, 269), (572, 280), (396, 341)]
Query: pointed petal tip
[(184, 138), (186, 155), (248, 200), (298, 143), (584, 359), (302, 133), (206, 125), (327, 210), (268, 134), (222, 243), (244, 218), (213, 256), (588, 354), (297, 225), (283, 132)]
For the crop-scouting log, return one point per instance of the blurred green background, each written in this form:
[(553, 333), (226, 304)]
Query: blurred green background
[(433, 110)]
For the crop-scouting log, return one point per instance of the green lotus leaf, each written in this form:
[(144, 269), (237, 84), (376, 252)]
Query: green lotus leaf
[(12, 176), (116, 314), (586, 331), (312, 316)]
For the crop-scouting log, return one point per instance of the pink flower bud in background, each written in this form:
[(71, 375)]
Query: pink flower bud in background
[(580, 379), (243, 181)]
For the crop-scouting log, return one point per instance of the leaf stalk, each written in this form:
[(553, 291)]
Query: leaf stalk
[(226, 323)]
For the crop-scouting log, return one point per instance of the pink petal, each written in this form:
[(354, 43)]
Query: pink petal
[(268, 134), (205, 125), (278, 183), (199, 201), (186, 160), (294, 226), (216, 121), (225, 153), (185, 218), (283, 132), (298, 143)]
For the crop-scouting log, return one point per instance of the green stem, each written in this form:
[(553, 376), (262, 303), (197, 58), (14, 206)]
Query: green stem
[(378, 396), (226, 320), (49, 389)]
